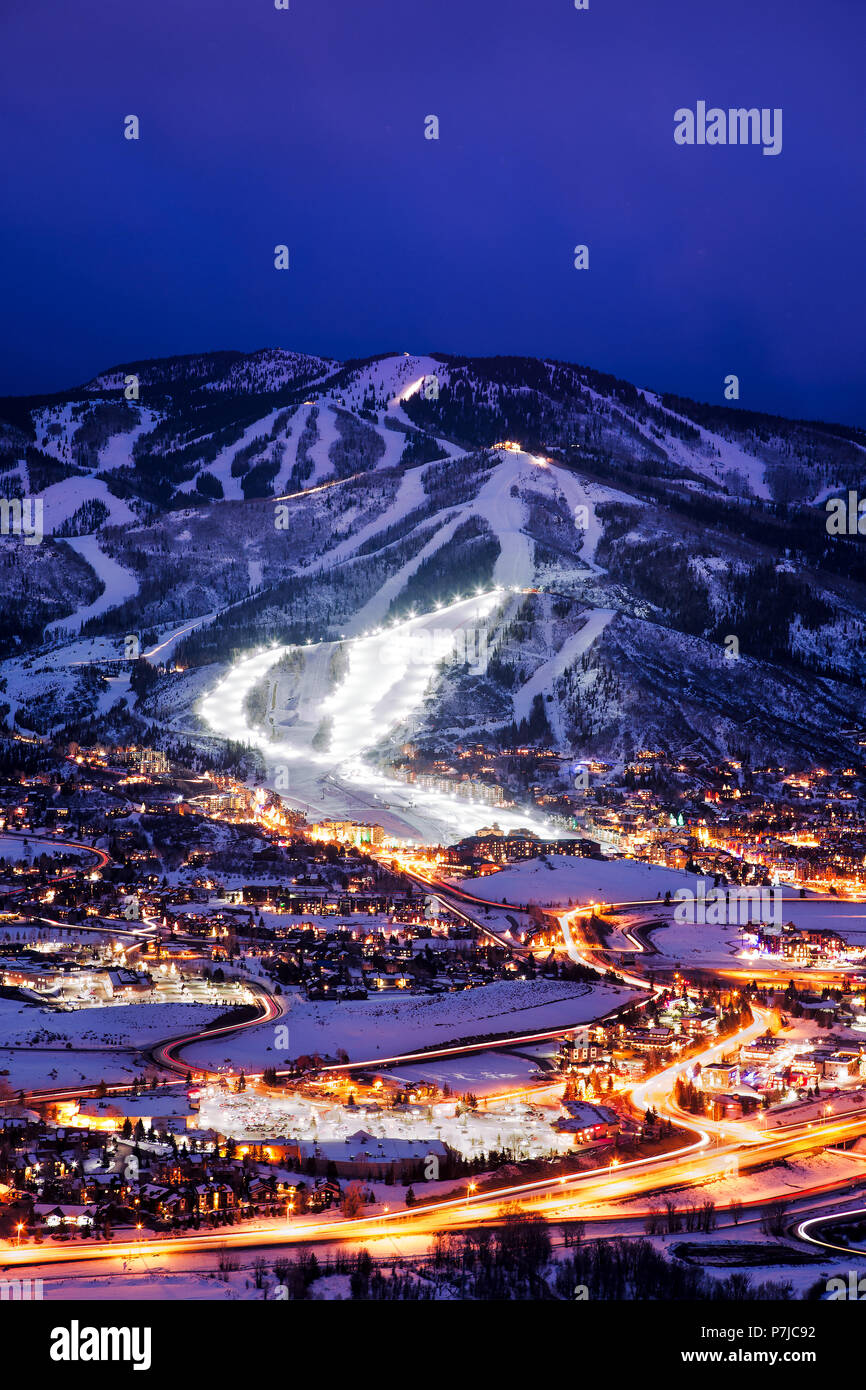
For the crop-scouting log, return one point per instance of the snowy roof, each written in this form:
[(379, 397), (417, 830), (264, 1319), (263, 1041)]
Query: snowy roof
[(361, 1146), (147, 1106)]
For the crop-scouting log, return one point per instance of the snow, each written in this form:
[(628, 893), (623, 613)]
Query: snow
[(117, 453), (389, 672), (710, 945), (119, 584), (410, 496), (62, 499), (392, 380), (580, 492), (222, 464), (27, 847), (560, 880), (717, 467), (143, 1278), (506, 516), (510, 1122), (394, 441), (328, 434), (58, 447), (39, 1068), (294, 429), (380, 1027), (543, 677), (125, 1025), (254, 570), (378, 606), (483, 1073)]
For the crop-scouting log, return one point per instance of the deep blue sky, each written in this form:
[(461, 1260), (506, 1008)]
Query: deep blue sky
[(306, 127)]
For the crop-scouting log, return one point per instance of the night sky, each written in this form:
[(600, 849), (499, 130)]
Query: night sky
[(306, 127)]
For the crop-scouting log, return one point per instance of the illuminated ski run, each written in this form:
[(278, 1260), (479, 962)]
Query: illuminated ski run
[(388, 673)]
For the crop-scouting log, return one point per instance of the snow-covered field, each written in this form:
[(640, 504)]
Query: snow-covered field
[(699, 945), (38, 1069), (29, 847), (141, 1278), (562, 880), (62, 499), (45, 1046), (120, 1025), (482, 1073), (381, 1027)]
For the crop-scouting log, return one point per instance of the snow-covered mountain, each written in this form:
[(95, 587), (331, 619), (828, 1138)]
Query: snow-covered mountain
[(659, 571)]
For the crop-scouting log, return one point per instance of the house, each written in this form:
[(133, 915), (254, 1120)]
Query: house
[(842, 1065), (62, 1215), (590, 1124), (760, 1050)]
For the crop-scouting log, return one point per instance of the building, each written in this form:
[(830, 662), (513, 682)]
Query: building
[(590, 1124), (155, 1109), (720, 1076), (365, 1155), (357, 833)]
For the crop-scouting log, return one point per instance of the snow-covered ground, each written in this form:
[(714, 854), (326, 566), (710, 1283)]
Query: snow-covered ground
[(482, 1073), (561, 880), (45, 1046), (28, 847), (115, 1024), (62, 499), (543, 677), (710, 945), (719, 459), (118, 451), (511, 1123), (39, 1069), (222, 464), (118, 584), (396, 1024)]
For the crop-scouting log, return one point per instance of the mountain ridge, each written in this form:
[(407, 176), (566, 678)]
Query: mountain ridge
[(279, 497)]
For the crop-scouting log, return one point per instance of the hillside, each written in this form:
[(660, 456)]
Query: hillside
[(275, 501)]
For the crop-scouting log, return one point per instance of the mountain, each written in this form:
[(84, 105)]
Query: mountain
[(660, 572)]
